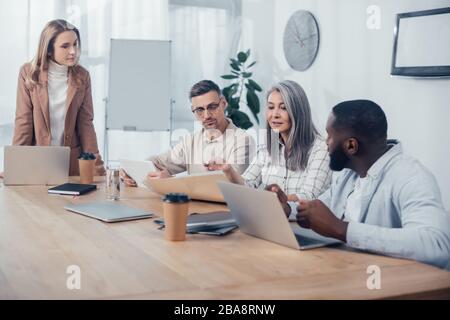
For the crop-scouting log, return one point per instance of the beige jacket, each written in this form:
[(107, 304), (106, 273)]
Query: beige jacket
[(32, 124)]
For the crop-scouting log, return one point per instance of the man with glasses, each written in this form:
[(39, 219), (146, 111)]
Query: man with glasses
[(218, 139)]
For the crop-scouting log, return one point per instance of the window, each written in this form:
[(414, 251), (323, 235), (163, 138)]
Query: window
[(204, 35)]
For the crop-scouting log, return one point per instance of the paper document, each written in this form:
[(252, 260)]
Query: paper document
[(137, 170)]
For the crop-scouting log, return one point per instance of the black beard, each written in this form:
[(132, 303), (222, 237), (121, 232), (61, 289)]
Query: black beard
[(338, 159)]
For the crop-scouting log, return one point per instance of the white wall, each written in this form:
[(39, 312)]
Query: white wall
[(354, 62)]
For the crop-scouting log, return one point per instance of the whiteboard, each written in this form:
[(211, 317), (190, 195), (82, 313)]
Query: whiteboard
[(139, 85)]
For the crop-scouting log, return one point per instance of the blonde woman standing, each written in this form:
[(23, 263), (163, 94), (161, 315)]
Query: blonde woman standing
[(54, 99)]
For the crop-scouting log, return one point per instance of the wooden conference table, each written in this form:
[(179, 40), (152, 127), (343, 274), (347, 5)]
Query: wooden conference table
[(39, 240)]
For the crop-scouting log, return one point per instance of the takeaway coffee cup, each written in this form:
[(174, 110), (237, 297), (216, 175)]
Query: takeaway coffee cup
[(175, 207), (87, 168)]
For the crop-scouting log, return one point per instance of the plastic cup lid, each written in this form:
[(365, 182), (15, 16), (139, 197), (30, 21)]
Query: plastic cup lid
[(176, 197)]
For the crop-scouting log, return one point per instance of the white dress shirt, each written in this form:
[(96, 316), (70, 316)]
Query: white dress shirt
[(57, 95), (234, 146)]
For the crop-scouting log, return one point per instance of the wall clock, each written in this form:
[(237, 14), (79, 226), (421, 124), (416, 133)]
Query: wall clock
[(301, 40)]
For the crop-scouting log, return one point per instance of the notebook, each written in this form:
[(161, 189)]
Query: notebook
[(74, 189)]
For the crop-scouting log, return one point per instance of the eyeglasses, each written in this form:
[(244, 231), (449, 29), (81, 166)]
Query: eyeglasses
[(211, 108)]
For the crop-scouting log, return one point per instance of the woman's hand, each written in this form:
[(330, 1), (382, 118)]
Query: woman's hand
[(227, 169), (293, 198), (282, 197)]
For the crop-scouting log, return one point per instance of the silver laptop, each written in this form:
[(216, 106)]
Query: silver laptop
[(108, 211), (35, 165), (259, 213)]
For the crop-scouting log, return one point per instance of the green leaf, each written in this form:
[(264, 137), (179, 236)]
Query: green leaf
[(247, 74), (240, 119), (229, 76), (233, 103), (251, 64), (254, 85), (235, 61), (235, 72), (242, 57), (235, 66), (230, 90), (253, 103), (247, 53), (226, 92), (234, 89)]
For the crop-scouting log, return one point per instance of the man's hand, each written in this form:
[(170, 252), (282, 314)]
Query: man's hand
[(161, 174), (217, 164), (127, 179), (315, 215), (282, 197)]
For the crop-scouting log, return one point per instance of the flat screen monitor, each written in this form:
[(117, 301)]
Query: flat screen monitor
[(422, 44)]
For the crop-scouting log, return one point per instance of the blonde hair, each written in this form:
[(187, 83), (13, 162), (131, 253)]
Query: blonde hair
[(46, 47)]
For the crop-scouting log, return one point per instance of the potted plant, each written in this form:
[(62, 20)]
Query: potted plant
[(241, 82)]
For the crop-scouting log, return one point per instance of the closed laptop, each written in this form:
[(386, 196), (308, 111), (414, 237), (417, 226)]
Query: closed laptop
[(36, 165), (108, 211)]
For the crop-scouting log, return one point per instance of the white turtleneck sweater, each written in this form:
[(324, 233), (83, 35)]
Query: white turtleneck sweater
[(57, 95)]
